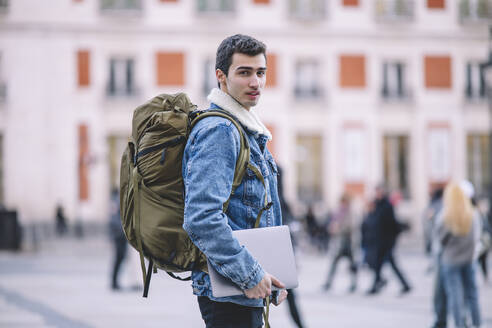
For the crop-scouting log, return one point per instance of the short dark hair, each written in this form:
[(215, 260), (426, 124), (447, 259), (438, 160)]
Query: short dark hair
[(238, 43)]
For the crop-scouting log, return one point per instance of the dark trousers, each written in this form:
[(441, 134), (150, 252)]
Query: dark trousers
[(294, 312), (334, 264), (229, 315), (379, 265), (482, 260), (440, 301), (120, 246)]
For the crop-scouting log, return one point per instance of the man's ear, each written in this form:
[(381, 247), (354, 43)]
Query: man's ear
[(221, 77)]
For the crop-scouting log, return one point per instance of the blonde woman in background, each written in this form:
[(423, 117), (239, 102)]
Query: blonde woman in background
[(457, 231)]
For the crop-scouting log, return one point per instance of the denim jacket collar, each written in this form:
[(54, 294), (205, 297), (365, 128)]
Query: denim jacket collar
[(248, 119)]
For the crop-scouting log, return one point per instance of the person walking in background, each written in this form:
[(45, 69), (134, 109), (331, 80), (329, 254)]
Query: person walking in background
[(318, 233), (61, 221), (369, 239), (429, 218), (439, 298), (288, 218), (485, 240), (341, 227), (118, 238), (387, 229), (458, 232)]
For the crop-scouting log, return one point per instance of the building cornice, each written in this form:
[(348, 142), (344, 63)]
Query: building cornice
[(476, 33)]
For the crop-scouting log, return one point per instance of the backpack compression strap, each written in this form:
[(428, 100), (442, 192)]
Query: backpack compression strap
[(137, 180)]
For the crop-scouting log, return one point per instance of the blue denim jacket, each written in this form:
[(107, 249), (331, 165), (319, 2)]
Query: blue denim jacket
[(208, 169)]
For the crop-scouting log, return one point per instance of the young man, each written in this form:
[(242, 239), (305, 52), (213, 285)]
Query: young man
[(208, 169)]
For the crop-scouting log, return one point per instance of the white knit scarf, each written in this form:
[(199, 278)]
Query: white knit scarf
[(248, 118)]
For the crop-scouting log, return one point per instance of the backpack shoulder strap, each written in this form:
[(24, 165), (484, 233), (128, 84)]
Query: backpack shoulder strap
[(244, 151)]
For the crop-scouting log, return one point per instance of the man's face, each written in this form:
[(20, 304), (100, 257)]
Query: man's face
[(246, 79)]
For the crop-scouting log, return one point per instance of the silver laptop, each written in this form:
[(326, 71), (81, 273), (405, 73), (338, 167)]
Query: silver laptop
[(272, 248)]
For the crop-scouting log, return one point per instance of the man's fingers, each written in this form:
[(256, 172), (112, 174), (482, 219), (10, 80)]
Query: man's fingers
[(276, 282)]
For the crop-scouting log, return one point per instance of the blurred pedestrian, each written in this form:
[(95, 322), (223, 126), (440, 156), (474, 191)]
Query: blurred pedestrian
[(439, 298), (485, 240), (368, 236), (118, 237), (387, 228), (60, 221), (429, 218), (341, 227), (458, 232), (288, 218), (318, 233)]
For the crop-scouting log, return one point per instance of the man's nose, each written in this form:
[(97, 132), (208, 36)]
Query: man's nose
[(254, 82)]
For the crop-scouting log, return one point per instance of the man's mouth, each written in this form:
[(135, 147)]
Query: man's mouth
[(253, 94)]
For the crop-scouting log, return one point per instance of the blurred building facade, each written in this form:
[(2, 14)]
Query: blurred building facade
[(359, 92)]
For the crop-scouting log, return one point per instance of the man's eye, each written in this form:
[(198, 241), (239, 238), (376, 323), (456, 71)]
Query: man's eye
[(261, 73), (244, 73)]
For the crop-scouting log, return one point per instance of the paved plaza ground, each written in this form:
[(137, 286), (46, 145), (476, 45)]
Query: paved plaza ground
[(65, 283)]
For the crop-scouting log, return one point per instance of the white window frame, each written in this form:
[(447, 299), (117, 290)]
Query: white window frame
[(307, 84), (120, 77), (354, 154), (439, 150), (216, 6), (476, 83), (307, 9)]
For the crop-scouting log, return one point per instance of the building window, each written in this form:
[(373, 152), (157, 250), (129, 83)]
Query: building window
[(209, 78), (394, 10), (352, 71), (84, 68), (478, 158), (307, 9), (216, 6), (4, 4), (271, 75), (439, 154), (475, 10), (170, 68), (394, 85), (436, 4), (395, 159), (307, 85), (116, 146), (354, 154), (121, 77), (84, 162), (475, 82), (351, 3), (309, 167), (437, 72), (121, 5)]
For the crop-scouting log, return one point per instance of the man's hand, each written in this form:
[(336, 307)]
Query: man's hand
[(281, 297), (264, 288)]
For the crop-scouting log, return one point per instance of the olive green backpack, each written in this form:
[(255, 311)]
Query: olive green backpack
[(151, 184)]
